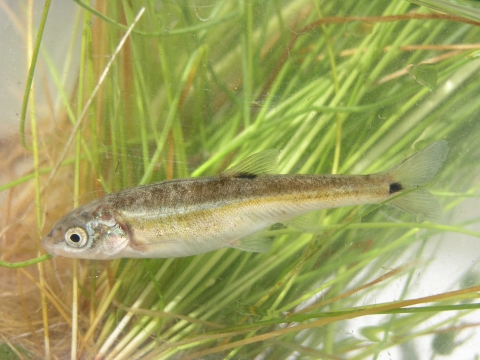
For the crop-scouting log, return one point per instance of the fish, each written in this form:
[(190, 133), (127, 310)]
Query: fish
[(186, 217)]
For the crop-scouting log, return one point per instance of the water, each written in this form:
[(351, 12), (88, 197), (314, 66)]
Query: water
[(199, 85)]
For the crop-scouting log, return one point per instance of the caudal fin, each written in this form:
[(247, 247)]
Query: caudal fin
[(416, 171)]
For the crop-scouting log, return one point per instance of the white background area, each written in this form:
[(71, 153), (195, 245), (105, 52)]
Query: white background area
[(13, 57)]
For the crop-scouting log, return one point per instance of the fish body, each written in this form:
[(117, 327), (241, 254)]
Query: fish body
[(192, 216)]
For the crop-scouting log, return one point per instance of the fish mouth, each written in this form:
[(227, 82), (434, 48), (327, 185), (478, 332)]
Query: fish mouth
[(54, 248), (47, 245)]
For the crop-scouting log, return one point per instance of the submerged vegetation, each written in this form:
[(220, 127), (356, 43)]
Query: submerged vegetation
[(338, 86)]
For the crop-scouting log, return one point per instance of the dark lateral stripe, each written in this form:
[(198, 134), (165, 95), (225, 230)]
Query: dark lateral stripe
[(395, 187)]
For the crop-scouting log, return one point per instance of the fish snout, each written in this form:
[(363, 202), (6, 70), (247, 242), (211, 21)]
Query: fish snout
[(50, 240)]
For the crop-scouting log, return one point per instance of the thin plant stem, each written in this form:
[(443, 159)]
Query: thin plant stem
[(33, 62), (92, 96), (22, 264)]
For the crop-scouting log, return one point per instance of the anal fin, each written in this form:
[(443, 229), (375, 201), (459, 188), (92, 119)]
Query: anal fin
[(307, 223), (253, 243)]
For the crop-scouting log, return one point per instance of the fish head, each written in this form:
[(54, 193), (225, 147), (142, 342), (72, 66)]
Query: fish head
[(92, 231)]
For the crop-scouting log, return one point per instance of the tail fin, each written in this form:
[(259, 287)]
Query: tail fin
[(414, 172)]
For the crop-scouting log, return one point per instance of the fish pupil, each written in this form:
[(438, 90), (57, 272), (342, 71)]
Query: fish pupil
[(75, 238)]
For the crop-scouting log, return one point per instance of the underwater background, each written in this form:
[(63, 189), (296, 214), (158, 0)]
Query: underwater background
[(101, 96)]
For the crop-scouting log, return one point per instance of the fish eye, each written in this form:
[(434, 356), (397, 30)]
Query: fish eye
[(76, 237)]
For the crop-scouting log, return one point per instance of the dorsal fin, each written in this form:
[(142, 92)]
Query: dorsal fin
[(261, 163)]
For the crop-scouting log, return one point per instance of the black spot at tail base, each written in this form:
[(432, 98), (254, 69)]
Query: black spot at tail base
[(395, 187)]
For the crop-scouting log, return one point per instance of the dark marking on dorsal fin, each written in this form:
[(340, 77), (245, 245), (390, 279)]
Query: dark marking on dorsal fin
[(262, 163), (245, 175), (395, 187)]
